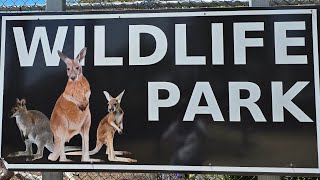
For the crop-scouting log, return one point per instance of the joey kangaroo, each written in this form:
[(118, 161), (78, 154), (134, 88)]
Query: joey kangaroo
[(111, 123), (71, 114), (34, 128)]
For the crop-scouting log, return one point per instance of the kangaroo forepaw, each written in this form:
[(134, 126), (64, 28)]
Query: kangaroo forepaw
[(83, 107), (120, 131)]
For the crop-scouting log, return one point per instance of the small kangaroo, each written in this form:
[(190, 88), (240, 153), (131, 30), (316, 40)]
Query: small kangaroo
[(111, 123), (71, 114), (34, 128)]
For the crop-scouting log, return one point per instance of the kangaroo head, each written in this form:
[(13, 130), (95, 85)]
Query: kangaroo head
[(113, 103), (19, 108), (74, 67)]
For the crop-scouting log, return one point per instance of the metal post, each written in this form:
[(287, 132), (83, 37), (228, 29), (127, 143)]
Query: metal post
[(52, 175), (259, 3), (54, 5), (268, 177)]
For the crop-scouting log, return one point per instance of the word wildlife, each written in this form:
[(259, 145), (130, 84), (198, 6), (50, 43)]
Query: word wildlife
[(280, 100)]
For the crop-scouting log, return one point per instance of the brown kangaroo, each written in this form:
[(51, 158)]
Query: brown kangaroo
[(111, 123), (71, 114)]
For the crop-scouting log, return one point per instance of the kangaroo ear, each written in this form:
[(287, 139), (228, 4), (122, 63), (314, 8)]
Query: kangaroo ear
[(17, 101), (23, 102), (62, 56), (81, 54), (119, 97), (108, 96)]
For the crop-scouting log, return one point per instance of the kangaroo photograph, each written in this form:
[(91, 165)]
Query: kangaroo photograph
[(71, 114), (111, 123), (34, 128), (108, 126)]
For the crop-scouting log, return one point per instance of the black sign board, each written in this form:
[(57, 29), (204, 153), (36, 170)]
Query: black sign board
[(228, 90)]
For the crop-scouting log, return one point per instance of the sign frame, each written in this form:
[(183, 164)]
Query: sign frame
[(122, 167)]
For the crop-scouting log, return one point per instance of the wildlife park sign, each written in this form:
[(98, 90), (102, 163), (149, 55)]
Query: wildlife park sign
[(205, 90)]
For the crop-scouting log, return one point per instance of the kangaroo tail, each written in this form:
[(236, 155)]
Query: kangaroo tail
[(78, 153), (96, 149), (67, 149), (75, 153), (49, 146), (72, 148)]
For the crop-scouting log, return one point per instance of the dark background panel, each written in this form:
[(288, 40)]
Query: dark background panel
[(171, 141)]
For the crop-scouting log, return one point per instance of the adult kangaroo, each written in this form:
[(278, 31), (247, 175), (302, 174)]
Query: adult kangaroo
[(71, 114)]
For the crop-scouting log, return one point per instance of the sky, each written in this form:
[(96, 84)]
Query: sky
[(21, 2)]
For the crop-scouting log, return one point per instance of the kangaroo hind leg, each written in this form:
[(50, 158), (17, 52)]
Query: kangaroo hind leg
[(58, 150), (85, 147), (39, 154), (119, 152), (27, 152), (116, 152), (112, 154), (99, 145)]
